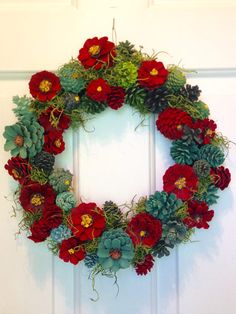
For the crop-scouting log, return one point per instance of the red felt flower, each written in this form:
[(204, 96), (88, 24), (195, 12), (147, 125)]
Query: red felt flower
[(170, 122), (54, 119), (116, 98), (152, 74), (35, 197), (19, 168), (44, 85), (52, 214), (98, 90), (144, 229), (146, 266), (87, 221), (71, 251), (96, 53), (39, 231), (199, 215), (221, 177), (53, 142), (207, 128), (180, 180)]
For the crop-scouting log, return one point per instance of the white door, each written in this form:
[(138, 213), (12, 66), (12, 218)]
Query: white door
[(115, 162)]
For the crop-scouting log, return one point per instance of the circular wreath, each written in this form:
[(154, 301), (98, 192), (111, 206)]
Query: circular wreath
[(106, 237)]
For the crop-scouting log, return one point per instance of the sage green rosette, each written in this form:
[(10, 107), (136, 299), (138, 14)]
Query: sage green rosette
[(115, 250), (66, 201), (174, 232), (24, 139), (70, 79), (212, 154), (23, 110), (163, 205), (60, 180)]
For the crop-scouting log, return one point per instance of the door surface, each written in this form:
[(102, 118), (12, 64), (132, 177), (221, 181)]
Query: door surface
[(117, 161)]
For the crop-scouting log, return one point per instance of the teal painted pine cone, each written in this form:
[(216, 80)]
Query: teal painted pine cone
[(70, 79), (91, 260), (125, 74), (175, 80), (44, 161), (210, 196), (24, 139), (162, 205), (60, 180), (66, 201), (184, 153), (135, 97), (201, 110), (115, 250), (212, 154), (22, 110), (174, 232), (60, 233), (202, 168), (90, 106)]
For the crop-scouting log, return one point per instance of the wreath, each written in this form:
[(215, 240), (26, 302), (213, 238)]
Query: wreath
[(108, 238)]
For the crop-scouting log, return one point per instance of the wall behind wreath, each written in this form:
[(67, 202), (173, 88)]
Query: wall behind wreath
[(114, 162)]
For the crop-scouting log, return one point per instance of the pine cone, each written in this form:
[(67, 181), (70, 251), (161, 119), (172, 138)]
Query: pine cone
[(60, 233), (162, 249), (175, 80), (72, 101), (174, 232), (66, 201), (70, 78), (146, 266), (135, 96), (125, 74), (44, 161), (113, 215), (202, 110), (191, 92), (212, 154), (221, 177), (210, 196), (90, 260), (60, 180), (202, 168), (23, 110), (184, 153), (92, 107), (125, 49), (116, 98), (191, 135), (155, 100)]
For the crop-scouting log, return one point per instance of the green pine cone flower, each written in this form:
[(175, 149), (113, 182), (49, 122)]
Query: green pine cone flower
[(174, 232), (162, 249), (113, 215), (23, 111), (90, 106), (44, 161), (184, 153), (66, 201), (202, 168), (201, 110), (60, 180), (175, 80), (125, 74), (212, 154), (135, 97), (162, 205), (91, 260), (115, 250), (71, 79), (24, 139), (210, 196)]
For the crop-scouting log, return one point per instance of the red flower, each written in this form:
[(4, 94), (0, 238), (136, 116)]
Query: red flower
[(52, 214), (207, 128), (53, 142), (54, 119), (71, 251), (170, 123), (199, 215), (87, 221), (116, 97), (96, 53), (98, 90), (19, 169), (146, 266), (221, 177), (44, 85), (34, 197), (152, 74), (144, 229), (39, 231), (180, 180)]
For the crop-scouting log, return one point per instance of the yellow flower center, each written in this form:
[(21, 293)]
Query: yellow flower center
[(67, 182), (154, 72), (87, 221), (19, 140), (57, 143), (16, 174), (180, 183), (99, 88), (37, 200), (94, 50), (179, 127), (77, 98), (142, 233), (75, 75), (71, 251), (209, 132), (45, 86)]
